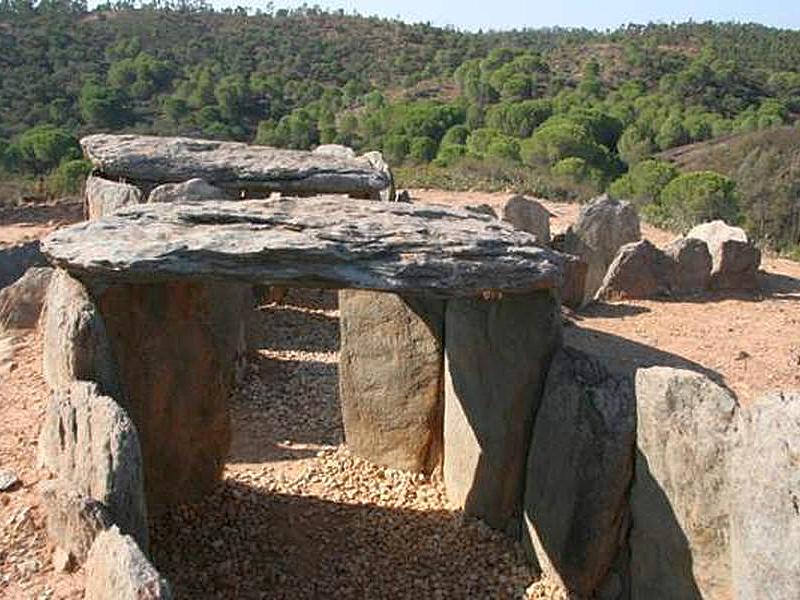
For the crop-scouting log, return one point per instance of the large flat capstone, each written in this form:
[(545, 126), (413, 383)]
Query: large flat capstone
[(323, 242), (149, 160)]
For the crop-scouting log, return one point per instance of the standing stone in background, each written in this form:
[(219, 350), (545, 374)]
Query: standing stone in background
[(692, 265), (497, 354), (603, 226), (104, 196), (579, 470), (765, 482), (680, 499), (527, 215), (390, 378), (21, 302), (640, 270), (16, 259), (88, 440), (191, 190), (117, 569), (735, 259), (575, 270)]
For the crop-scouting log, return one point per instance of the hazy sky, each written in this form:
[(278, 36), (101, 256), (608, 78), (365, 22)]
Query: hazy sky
[(598, 14)]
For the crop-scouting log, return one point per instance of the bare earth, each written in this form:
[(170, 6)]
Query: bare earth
[(297, 516)]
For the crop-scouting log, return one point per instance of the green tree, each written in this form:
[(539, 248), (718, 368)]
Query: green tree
[(644, 182), (422, 149), (69, 177), (698, 197), (103, 107), (558, 140), (672, 133), (635, 144), (44, 147)]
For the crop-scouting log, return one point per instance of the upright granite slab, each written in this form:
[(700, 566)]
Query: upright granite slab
[(148, 161)]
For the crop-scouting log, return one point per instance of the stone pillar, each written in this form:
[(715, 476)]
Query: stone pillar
[(103, 196), (497, 354), (176, 346), (390, 378)]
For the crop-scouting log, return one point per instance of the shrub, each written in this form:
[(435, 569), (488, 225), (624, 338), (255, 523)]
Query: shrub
[(644, 182), (695, 198), (558, 140), (422, 149), (68, 178), (449, 154)]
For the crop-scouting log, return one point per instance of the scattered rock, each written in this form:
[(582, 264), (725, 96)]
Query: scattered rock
[(580, 466), (527, 215), (89, 441), (16, 259), (735, 260), (63, 561), (104, 196), (21, 302), (74, 520), (765, 485), (8, 480), (640, 270), (118, 570), (403, 196), (481, 209), (497, 354), (680, 534), (691, 272), (188, 191), (390, 378)]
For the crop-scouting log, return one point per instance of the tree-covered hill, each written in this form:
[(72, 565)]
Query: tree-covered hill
[(558, 111)]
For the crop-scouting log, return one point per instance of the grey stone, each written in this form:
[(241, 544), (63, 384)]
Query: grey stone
[(335, 150), (527, 215), (117, 569), (680, 534), (104, 196), (89, 441), (76, 346), (765, 503), (482, 209), (16, 259), (21, 302), (692, 265), (74, 520), (497, 354), (640, 270), (8, 480), (603, 226), (150, 160), (192, 190), (579, 470), (735, 260), (327, 241), (575, 270), (390, 378)]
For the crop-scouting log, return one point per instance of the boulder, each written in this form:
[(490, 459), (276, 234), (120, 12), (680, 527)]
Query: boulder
[(76, 347), (21, 302), (88, 440), (189, 191), (117, 569), (680, 534), (326, 241), (16, 259), (765, 484), (527, 215), (497, 354), (579, 470), (335, 150), (571, 292), (603, 226), (640, 270), (73, 519), (404, 196), (104, 196), (691, 272), (735, 261), (234, 166), (390, 378)]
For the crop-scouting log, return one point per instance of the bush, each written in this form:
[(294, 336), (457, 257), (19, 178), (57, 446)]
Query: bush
[(574, 171), (396, 148), (69, 177), (635, 144), (695, 198), (556, 141), (456, 135), (644, 182), (503, 147), (450, 154), (422, 149)]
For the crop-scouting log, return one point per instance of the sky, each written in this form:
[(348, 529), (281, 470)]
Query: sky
[(596, 14)]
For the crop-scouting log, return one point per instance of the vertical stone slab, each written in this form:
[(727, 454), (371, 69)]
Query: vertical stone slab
[(497, 354), (177, 372), (390, 378), (104, 196)]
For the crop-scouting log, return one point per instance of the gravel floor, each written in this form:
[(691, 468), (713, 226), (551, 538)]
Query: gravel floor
[(299, 517)]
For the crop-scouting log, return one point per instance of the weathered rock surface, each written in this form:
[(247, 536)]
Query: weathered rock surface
[(117, 569), (328, 241), (335, 150), (16, 259), (482, 209), (76, 346), (640, 270), (235, 166), (89, 441), (188, 191), (680, 534), (735, 260), (21, 302), (497, 354), (580, 466), (390, 378), (527, 215), (177, 368), (575, 270), (765, 484), (691, 272), (603, 226), (73, 519), (104, 196)]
